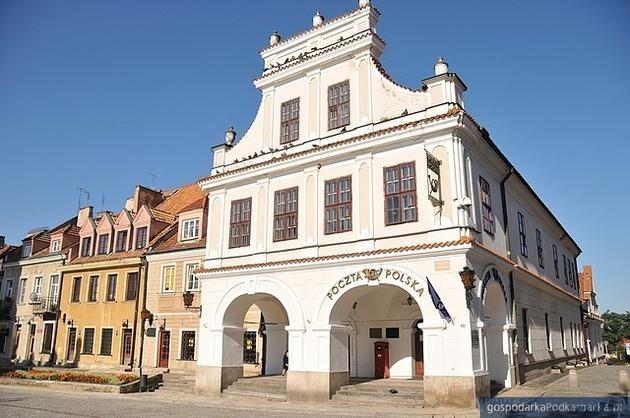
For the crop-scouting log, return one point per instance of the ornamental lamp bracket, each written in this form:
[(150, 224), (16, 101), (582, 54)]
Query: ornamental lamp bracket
[(188, 298), (468, 280)]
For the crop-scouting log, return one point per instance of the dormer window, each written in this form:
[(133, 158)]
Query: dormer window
[(86, 243), (339, 105), (141, 238), (55, 247), (190, 229), (103, 244), (121, 241), (290, 121), (26, 249)]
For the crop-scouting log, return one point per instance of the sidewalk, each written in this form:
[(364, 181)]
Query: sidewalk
[(597, 380)]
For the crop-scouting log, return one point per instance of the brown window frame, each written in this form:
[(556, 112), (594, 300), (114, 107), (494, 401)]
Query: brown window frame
[(400, 194), (242, 239), (131, 292), (86, 244), (290, 125), (92, 295), (145, 236), (121, 246), (284, 216), (76, 289), (487, 217), (103, 244), (110, 291), (337, 205), (335, 105)]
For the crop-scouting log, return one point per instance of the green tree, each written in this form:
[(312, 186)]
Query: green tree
[(616, 328)]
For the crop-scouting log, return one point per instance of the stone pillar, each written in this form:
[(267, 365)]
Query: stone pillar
[(222, 363)]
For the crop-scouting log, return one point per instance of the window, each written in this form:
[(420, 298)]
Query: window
[(192, 282), (106, 342), (240, 222), (376, 332), (249, 348), (400, 194), (285, 214), (47, 340), (486, 206), (112, 280), (555, 260), (93, 289), (564, 265), (121, 241), (188, 345), (564, 340), (53, 290), (22, 290), (76, 289), (103, 243), (168, 279), (141, 238), (289, 121), (8, 292), (26, 249), (338, 205), (391, 332), (86, 243), (526, 332), (88, 341), (522, 234), (37, 289), (547, 331), (539, 248), (4, 336), (55, 246), (339, 105), (190, 229), (132, 286)]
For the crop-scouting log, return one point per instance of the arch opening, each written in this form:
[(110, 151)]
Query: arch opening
[(495, 316), (378, 333)]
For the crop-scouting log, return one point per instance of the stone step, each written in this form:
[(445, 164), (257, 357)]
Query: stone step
[(239, 394), (380, 395), (384, 389), (264, 387), (367, 400), (258, 389)]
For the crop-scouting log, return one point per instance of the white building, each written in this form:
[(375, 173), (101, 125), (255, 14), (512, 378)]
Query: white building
[(593, 322), (345, 196)]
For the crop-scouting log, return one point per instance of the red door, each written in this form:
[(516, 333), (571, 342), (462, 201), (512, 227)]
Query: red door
[(419, 353), (165, 342), (381, 360)]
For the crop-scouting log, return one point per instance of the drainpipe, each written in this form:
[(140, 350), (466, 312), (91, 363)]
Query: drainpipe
[(135, 318), (508, 249)]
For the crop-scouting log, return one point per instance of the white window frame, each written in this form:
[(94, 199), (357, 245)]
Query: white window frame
[(24, 253), (21, 296), (37, 285), (162, 268), (55, 246), (186, 229), (53, 289), (186, 266)]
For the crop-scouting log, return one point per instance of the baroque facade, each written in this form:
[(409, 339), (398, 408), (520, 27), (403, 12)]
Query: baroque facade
[(353, 208)]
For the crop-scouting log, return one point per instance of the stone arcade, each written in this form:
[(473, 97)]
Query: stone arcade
[(347, 192)]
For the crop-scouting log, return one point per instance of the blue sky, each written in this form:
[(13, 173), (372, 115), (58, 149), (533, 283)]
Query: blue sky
[(97, 94)]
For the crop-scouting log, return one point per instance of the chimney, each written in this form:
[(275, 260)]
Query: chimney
[(1, 240), (586, 279), (83, 215), (146, 196)]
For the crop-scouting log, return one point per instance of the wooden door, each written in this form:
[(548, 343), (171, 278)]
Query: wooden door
[(381, 360), (127, 346), (419, 353), (31, 340), (72, 344), (165, 342)]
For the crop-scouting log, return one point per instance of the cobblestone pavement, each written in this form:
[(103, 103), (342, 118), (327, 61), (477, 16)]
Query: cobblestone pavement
[(598, 380), (26, 401)]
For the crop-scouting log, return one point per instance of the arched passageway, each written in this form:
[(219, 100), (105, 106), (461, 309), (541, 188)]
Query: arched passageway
[(497, 341), (375, 333)]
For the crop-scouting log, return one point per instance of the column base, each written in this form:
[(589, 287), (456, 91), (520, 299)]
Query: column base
[(314, 386), (211, 380), (459, 391)]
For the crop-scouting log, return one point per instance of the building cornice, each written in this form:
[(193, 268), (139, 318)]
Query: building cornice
[(38, 260), (100, 265)]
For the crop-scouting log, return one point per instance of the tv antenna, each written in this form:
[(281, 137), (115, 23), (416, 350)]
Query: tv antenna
[(153, 180), (87, 194), (102, 201)]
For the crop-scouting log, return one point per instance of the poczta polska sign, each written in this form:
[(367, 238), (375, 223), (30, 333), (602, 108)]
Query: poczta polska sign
[(382, 275)]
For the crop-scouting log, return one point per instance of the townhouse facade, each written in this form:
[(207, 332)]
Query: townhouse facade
[(381, 232), (7, 314), (593, 322)]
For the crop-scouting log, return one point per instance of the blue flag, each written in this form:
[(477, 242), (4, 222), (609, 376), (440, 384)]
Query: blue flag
[(437, 302)]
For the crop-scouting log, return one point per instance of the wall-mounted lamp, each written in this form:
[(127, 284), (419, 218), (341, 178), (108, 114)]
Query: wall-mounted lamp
[(188, 297), (146, 315), (468, 279), (125, 323)]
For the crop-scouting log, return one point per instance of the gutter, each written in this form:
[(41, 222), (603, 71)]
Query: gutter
[(135, 314), (142, 321)]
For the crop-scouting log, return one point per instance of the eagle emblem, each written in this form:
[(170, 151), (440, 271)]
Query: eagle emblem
[(372, 274)]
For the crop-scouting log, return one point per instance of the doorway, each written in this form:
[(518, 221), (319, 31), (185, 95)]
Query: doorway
[(31, 341), (72, 344), (127, 344), (165, 343), (418, 353)]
